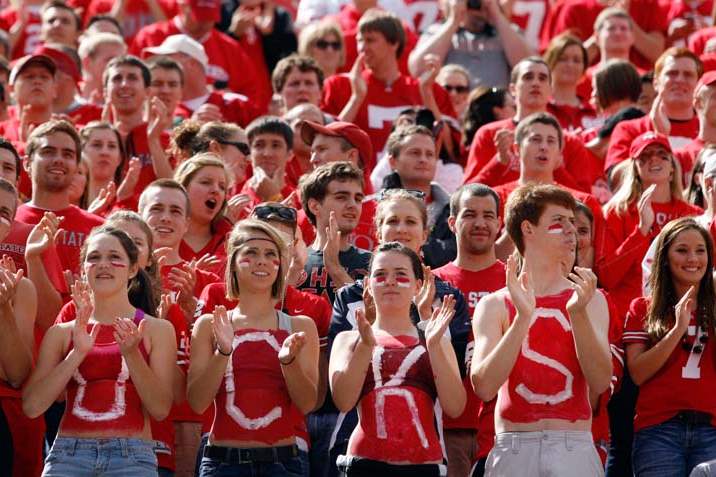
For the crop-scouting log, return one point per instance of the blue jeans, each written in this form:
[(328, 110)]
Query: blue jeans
[(320, 430), (295, 467), (106, 457), (672, 448)]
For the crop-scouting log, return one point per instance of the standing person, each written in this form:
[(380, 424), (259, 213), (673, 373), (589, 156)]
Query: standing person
[(393, 372), (114, 361), (476, 272), (667, 337), (258, 425), (542, 416)]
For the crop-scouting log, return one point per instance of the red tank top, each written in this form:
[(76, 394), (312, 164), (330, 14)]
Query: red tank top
[(546, 381), (101, 395), (253, 403), (397, 420)]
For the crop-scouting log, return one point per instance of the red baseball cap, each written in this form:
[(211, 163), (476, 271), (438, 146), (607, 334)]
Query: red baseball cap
[(646, 139), (707, 79), (348, 131), (205, 10), (39, 60), (63, 61)]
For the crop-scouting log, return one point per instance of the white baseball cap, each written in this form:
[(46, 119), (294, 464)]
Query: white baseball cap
[(181, 44)]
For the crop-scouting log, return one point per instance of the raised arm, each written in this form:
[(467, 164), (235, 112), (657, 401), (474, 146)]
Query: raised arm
[(299, 363), (40, 240), (17, 319), (440, 42)]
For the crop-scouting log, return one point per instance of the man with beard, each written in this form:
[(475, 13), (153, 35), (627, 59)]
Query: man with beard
[(476, 272), (52, 157), (332, 197)]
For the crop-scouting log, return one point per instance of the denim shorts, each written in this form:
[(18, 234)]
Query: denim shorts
[(108, 457)]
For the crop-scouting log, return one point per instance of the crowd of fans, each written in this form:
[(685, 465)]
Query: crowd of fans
[(357, 238)]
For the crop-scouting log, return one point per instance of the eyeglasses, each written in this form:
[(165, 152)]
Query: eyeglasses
[(324, 44), (457, 88), (241, 146), (418, 194), (281, 212)]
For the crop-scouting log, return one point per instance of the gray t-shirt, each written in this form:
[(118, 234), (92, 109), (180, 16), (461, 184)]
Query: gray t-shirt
[(481, 53)]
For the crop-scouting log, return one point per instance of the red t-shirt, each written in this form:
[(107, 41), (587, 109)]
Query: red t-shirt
[(227, 59), (29, 39), (381, 105), (83, 113), (574, 118), (698, 40), (137, 14), (682, 132), (216, 246), (618, 264), (136, 144), (474, 285), (74, 229), (687, 381), (296, 302), (235, 108), (203, 278), (255, 199)]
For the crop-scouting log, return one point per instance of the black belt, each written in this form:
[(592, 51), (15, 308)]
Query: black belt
[(235, 455), (694, 417)]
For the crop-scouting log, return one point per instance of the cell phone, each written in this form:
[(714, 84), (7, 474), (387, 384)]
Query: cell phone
[(474, 4)]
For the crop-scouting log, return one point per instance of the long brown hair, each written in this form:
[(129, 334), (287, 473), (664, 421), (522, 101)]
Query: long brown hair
[(660, 318)]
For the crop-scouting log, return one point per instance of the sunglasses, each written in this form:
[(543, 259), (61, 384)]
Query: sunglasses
[(456, 88), (324, 44), (418, 194), (241, 146), (267, 212)]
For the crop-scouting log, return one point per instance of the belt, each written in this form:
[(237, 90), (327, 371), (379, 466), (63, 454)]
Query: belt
[(694, 417), (237, 455)]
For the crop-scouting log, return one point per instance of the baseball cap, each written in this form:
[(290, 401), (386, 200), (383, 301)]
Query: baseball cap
[(206, 10), (63, 61), (181, 44), (25, 61), (348, 131), (646, 139), (707, 79)]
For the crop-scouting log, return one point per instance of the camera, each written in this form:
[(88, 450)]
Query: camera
[(474, 4)]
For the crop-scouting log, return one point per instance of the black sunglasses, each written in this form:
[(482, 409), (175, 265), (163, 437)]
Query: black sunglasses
[(324, 44), (281, 212), (418, 194), (241, 146), (458, 89)]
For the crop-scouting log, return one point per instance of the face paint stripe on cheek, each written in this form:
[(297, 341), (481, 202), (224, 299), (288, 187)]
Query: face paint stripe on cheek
[(245, 262), (555, 229), (403, 282), (276, 264), (118, 264), (379, 281)]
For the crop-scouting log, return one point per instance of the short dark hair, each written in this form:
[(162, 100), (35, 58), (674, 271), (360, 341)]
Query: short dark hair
[(314, 185), (270, 125), (385, 23), (528, 203), (127, 60), (164, 183), (396, 140), (7, 145), (50, 127), (61, 5), (398, 247), (538, 118), (472, 190), (515, 73), (617, 80), (7, 186), (166, 63), (285, 67)]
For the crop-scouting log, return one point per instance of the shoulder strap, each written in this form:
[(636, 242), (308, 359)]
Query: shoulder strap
[(284, 322), (138, 316)]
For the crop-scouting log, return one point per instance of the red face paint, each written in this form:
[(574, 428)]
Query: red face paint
[(555, 229), (403, 282), (245, 262), (379, 281), (118, 264), (276, 263)]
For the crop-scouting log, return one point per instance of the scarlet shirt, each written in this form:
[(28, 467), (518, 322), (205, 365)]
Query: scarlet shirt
[(227, 60), (235, 108), (203, 278), (396, 417), (381, 105), (687, 381), (296, 302), (216, 246), (474, 286), (682, 132), (74, 228), (574, 118), (29, 39), (136, 14), (698, 40), (537, 389), (618, 264)]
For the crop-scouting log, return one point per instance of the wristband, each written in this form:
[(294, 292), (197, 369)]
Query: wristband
[(286, 364), (218, 348)]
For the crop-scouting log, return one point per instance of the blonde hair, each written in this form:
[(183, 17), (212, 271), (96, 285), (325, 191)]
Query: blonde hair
[(314, 31), (237, 238), (186, 171), (631, 188)]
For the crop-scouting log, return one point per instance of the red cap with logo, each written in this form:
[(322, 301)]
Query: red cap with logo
[(645, 140), (348, 131), (206, 10)]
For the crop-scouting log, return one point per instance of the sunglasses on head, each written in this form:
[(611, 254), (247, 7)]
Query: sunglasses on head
[(456, 88), (281, 212), (418, 194), (241, 146), (324, 44)]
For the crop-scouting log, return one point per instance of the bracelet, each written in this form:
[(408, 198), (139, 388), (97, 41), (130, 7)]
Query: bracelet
[(218, 348), (286, 364)]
